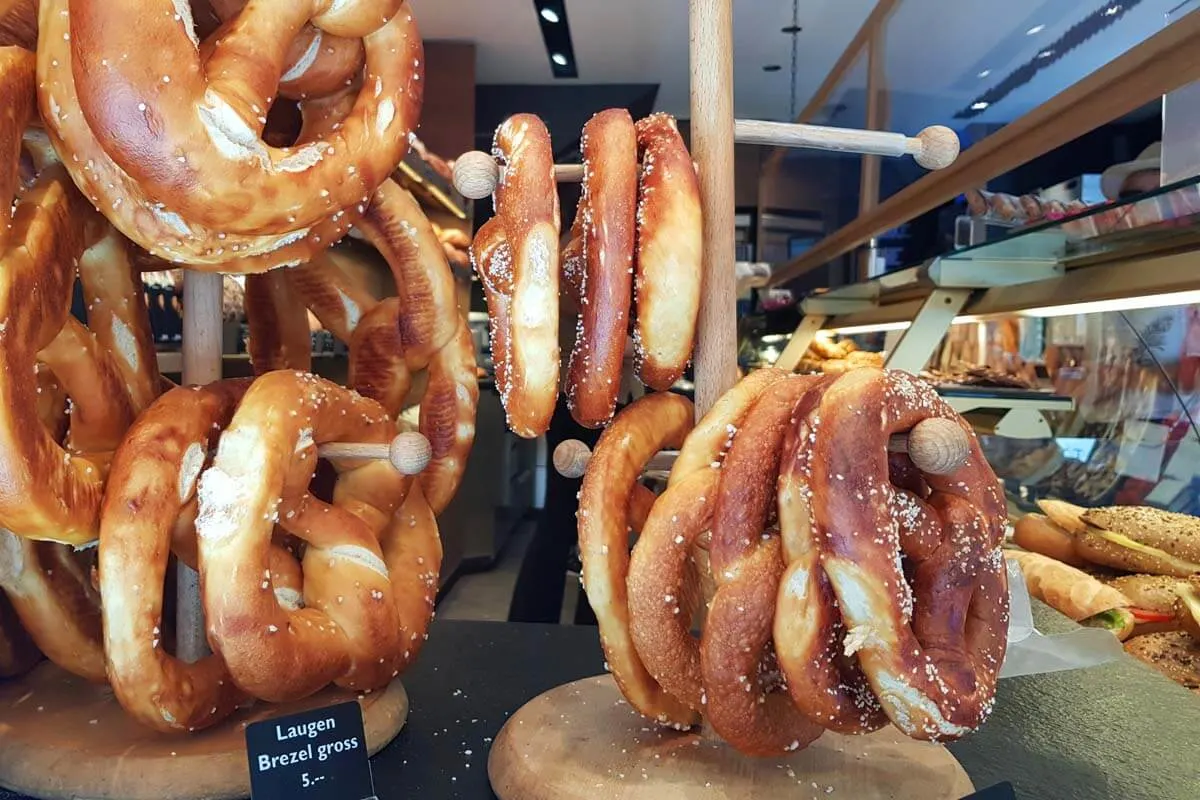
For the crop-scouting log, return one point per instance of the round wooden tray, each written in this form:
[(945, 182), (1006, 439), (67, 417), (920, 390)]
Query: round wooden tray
[(582, 740), (63, 738)]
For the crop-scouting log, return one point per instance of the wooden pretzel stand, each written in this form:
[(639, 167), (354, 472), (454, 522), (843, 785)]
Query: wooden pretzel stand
[(62, 737), (582, 740)]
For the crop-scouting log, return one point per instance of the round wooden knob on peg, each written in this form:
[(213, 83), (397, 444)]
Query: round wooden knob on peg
[(476, 174), (939, 147), (409, 452), (571, 458), (937, 446)]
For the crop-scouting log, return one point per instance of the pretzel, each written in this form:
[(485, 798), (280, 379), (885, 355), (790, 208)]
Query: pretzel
[(18, 653), (148, 507), (176, 161), (825, 684), (18, 23), (605, 221), (931, 650), (668, 264), (643, 428), (663, 581), (420, 331), (745, 704), (350, 629), (526, 202)]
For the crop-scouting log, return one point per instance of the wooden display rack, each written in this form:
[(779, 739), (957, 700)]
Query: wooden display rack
[(582, 740)]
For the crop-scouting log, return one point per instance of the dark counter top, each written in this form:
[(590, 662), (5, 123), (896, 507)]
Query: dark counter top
[(1118, 730)]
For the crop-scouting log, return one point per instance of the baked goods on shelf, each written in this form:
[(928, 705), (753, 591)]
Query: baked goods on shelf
[(1023, 209), (834, 358), (812, 626), (632, 261), (975, 375)]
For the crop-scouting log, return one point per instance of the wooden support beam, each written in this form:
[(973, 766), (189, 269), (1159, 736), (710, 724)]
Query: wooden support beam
[(1158, 65), (877, 120)]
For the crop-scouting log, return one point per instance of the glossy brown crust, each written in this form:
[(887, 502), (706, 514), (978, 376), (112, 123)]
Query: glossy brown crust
[(234, 201), (605, 284), (378, 369), (447, 418), (334, 297), (18, 653), (45, 491), (935, 679), (279, 332), (527, 206), (492, 259), (117, 315), (18, 23), (17, 82), (668, 262), (825, 684), (349, 629), (747, 564), (649, 424), (152, 481)]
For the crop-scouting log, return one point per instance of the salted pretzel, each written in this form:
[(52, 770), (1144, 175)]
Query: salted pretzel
[(746, 703), (148, 507), (18, 23), (668, 263), (653, 422), (362, 621), (930, 645), (176, 160), (518, 264), (601, 277), (663, 581), (419, 332)]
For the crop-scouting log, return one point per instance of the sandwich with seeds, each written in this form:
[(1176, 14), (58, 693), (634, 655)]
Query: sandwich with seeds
[(1131, 538)]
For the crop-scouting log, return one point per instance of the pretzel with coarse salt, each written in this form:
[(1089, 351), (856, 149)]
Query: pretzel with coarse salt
[(525, 273), (649, 424), (175, 158), (746, 705), (930, 646), (668, 263), (151, 490), (663, 583), (349, 629), (602, 280)]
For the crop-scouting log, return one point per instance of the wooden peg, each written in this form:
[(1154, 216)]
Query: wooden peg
[(571, 458), (476, 174), (937, 445), (409, 452), (935, 147), (938, 147)]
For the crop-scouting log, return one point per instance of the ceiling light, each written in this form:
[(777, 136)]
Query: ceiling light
[(792, 29), (1112, 11), (549, 15), (985, 73), (559, 58), (850, 330), (1035, 30), (772, 68), (1045, 54), (980, 106)]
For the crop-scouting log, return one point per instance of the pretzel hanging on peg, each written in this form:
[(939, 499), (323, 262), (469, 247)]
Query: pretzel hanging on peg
[(409, 452)]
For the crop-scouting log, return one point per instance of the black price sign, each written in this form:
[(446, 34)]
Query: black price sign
[(1001, 791), (316, 755)]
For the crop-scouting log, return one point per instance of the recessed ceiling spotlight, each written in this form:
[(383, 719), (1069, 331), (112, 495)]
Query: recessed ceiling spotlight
[(980, 106), (985, 73), (1035, 30), (1045, 54), (559, 58), (772, 68), (549, 14), (791, 29), (1112, 11)]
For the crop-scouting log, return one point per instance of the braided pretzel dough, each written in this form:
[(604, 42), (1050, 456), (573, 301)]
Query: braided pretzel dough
[(602, 281), (669, 227), (663, 582), (526, 279), (151, 489), (930, 652), (648, 425), (176, 161), (18, 23), (419, 332), (350, 629), (745, 704)]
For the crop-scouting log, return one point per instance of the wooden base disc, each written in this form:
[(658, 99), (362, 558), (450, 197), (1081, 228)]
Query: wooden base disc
[(582, 740), (63, 738)]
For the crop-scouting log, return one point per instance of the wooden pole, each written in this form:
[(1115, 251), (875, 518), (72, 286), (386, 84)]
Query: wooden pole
[(201, 364), (711, 42), (868, 191)]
